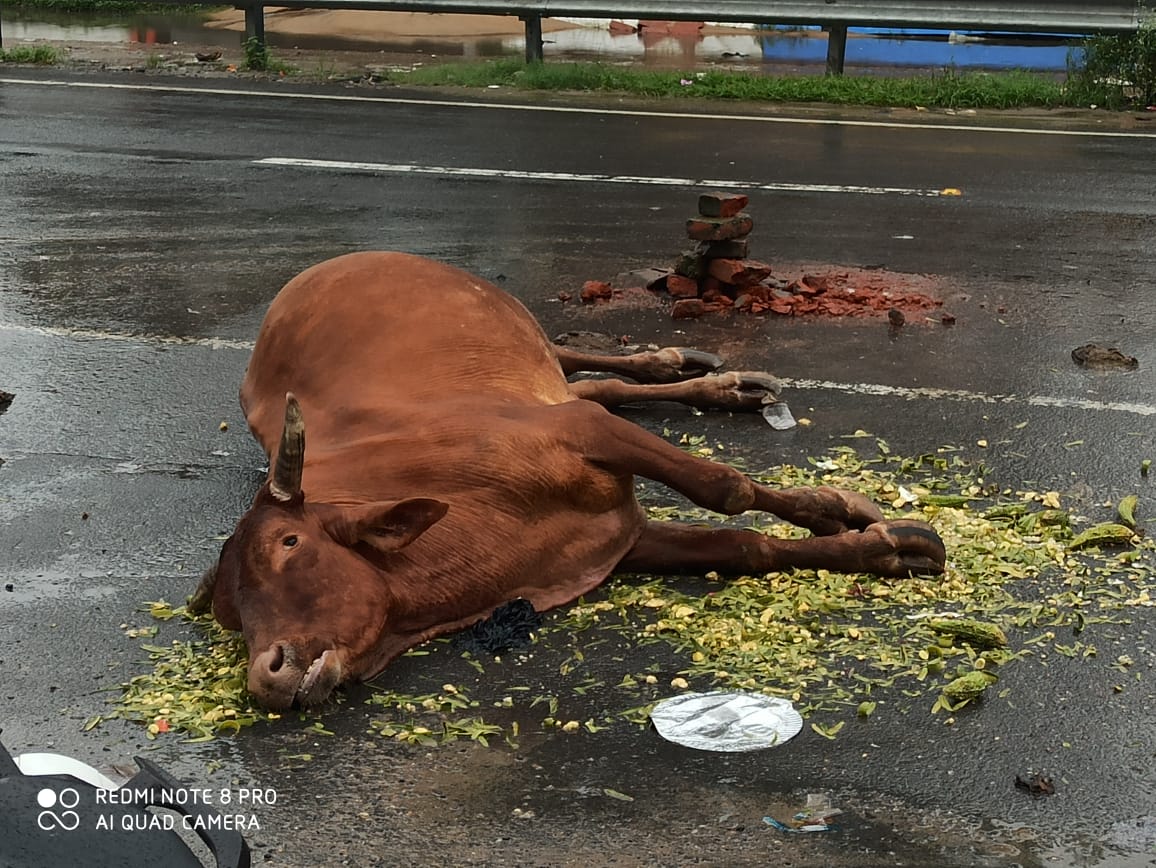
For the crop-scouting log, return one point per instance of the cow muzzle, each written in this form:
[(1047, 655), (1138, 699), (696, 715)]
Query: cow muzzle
[(280, 677)]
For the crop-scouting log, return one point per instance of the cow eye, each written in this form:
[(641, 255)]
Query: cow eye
[(289, 541)]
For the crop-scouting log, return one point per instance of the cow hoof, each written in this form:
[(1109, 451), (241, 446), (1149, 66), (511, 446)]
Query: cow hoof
[(757, 389), (916, 549), (673, 364), (739, 390)]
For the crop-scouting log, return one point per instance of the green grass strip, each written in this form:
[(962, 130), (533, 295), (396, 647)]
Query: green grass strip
[(949, 89), (44, 54)]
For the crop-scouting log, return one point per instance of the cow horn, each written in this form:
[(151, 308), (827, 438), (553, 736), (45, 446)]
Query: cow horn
[(285, 483)]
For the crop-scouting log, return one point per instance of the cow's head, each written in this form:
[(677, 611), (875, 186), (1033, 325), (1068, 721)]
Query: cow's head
[(305, 582)]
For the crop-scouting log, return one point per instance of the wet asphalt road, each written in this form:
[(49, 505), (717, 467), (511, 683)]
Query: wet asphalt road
[(140, 240)]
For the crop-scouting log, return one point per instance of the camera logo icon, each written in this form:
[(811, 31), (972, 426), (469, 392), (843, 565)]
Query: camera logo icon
[(57, 810)]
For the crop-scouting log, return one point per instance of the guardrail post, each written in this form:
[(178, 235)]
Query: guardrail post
[(533, 37), (255, 24), (836, 48)]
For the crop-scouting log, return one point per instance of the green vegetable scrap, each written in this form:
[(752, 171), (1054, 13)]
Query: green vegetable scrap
[(1126, 509), (969, 686), (424, 719), (977, 633), (1107, 534)]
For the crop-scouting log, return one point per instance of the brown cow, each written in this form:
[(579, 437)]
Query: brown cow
[(452, 468)]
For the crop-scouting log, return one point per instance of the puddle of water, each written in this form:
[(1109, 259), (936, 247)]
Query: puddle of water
[(874, 48), (590, 39)]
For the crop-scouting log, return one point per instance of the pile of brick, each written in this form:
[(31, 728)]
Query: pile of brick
[(716, 272)]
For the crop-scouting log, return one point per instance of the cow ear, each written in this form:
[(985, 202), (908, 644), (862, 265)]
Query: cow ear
[(393, 525)]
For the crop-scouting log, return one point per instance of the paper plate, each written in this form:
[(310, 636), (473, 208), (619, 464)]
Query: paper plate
[(724, 720)]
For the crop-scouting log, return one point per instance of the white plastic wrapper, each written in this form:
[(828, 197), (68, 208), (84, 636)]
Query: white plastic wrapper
[(725, 720), (779, 416)]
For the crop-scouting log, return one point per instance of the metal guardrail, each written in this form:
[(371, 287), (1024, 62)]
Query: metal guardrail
[(835, 16)]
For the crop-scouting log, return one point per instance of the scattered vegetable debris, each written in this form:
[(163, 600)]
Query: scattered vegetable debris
[(837, 645), (197, 687)]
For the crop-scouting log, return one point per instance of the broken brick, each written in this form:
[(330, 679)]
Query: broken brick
[(712, 295), (799, 288), (713, 287), (781, 305), (758, 292), (813, 284), (715, 296), (596, 290), (680, 286), (741, 272), (719, 228), (688, 308), (721, 204)]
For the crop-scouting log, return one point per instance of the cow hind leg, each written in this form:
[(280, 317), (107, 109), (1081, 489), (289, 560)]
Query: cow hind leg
[(668, 365), (895, 548), (734, 390)]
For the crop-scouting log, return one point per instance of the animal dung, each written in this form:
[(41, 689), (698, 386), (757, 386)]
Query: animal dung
[(1103, 358)]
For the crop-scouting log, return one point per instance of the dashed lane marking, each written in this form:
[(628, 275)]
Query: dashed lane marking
[(643, 180), (934, 394)]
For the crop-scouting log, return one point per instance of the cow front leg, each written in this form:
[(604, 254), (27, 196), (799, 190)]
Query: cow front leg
[(894, 549), (668, 365), (627, 449), (734, 390), (624, 448)]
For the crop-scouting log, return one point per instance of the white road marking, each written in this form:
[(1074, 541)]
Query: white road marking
[(879, 390), (720, 115), (934, 394), (408, 168)]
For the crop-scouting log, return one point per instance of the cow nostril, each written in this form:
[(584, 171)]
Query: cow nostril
[(278, 659)]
